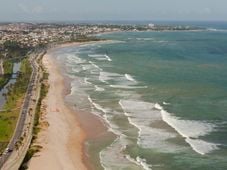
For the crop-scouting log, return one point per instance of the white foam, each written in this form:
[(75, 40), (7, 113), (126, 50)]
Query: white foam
[(143, 163), (108, 58), (165, 103), (128, 87), (75, 59), (129, 77), (99, 114), (86, 81), (105, 117), (123, 81), (76, 70), (216, 30), (118, 159), (187, 128), (95, 55), (142, 115), (212, 29), (132, 160), (87, 67), (97, 88), (111, 126), (162, 41), (78, 95), (191, 129), (96, 66), (200, 146), (157, 106), (97, 106), (106, 76), (100, 57), (144, 39), (140, 162)]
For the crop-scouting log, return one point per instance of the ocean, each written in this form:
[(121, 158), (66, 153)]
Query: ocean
[(163, 94)]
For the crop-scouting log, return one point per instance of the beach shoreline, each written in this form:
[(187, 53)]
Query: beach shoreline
[(71, 44), (63, 140), (63, 129)]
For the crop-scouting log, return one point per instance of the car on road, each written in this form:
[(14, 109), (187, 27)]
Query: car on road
[(8, 150)]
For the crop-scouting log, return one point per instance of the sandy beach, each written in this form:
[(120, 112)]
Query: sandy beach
[(62, 139), (70, 44)]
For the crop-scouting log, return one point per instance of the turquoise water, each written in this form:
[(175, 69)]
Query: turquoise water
[(164, 94)]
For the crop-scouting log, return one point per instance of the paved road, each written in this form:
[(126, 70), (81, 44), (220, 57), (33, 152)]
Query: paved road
[(1, 67), (19, 131)]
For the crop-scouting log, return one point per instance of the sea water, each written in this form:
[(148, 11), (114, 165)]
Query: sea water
[(164, 95)]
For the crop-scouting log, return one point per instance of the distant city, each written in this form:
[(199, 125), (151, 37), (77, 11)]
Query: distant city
[(33, 35)]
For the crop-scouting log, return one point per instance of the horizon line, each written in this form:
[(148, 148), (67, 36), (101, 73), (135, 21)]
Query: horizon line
[(110, 20)]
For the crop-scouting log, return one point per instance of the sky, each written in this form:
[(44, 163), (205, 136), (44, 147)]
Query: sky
[(75, 10)]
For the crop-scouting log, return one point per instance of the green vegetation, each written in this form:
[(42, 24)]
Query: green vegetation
[(1, 54), (38, 113), (14, 50), (84, 38), (8, 67), (10, 50), (32, 150), (43, 93), (10, 111), (8, 70)]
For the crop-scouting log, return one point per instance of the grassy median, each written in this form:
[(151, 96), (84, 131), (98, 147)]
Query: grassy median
[(10, 111)]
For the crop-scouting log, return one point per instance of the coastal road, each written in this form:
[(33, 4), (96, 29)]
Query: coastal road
[(24, 118), (1, 67)]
